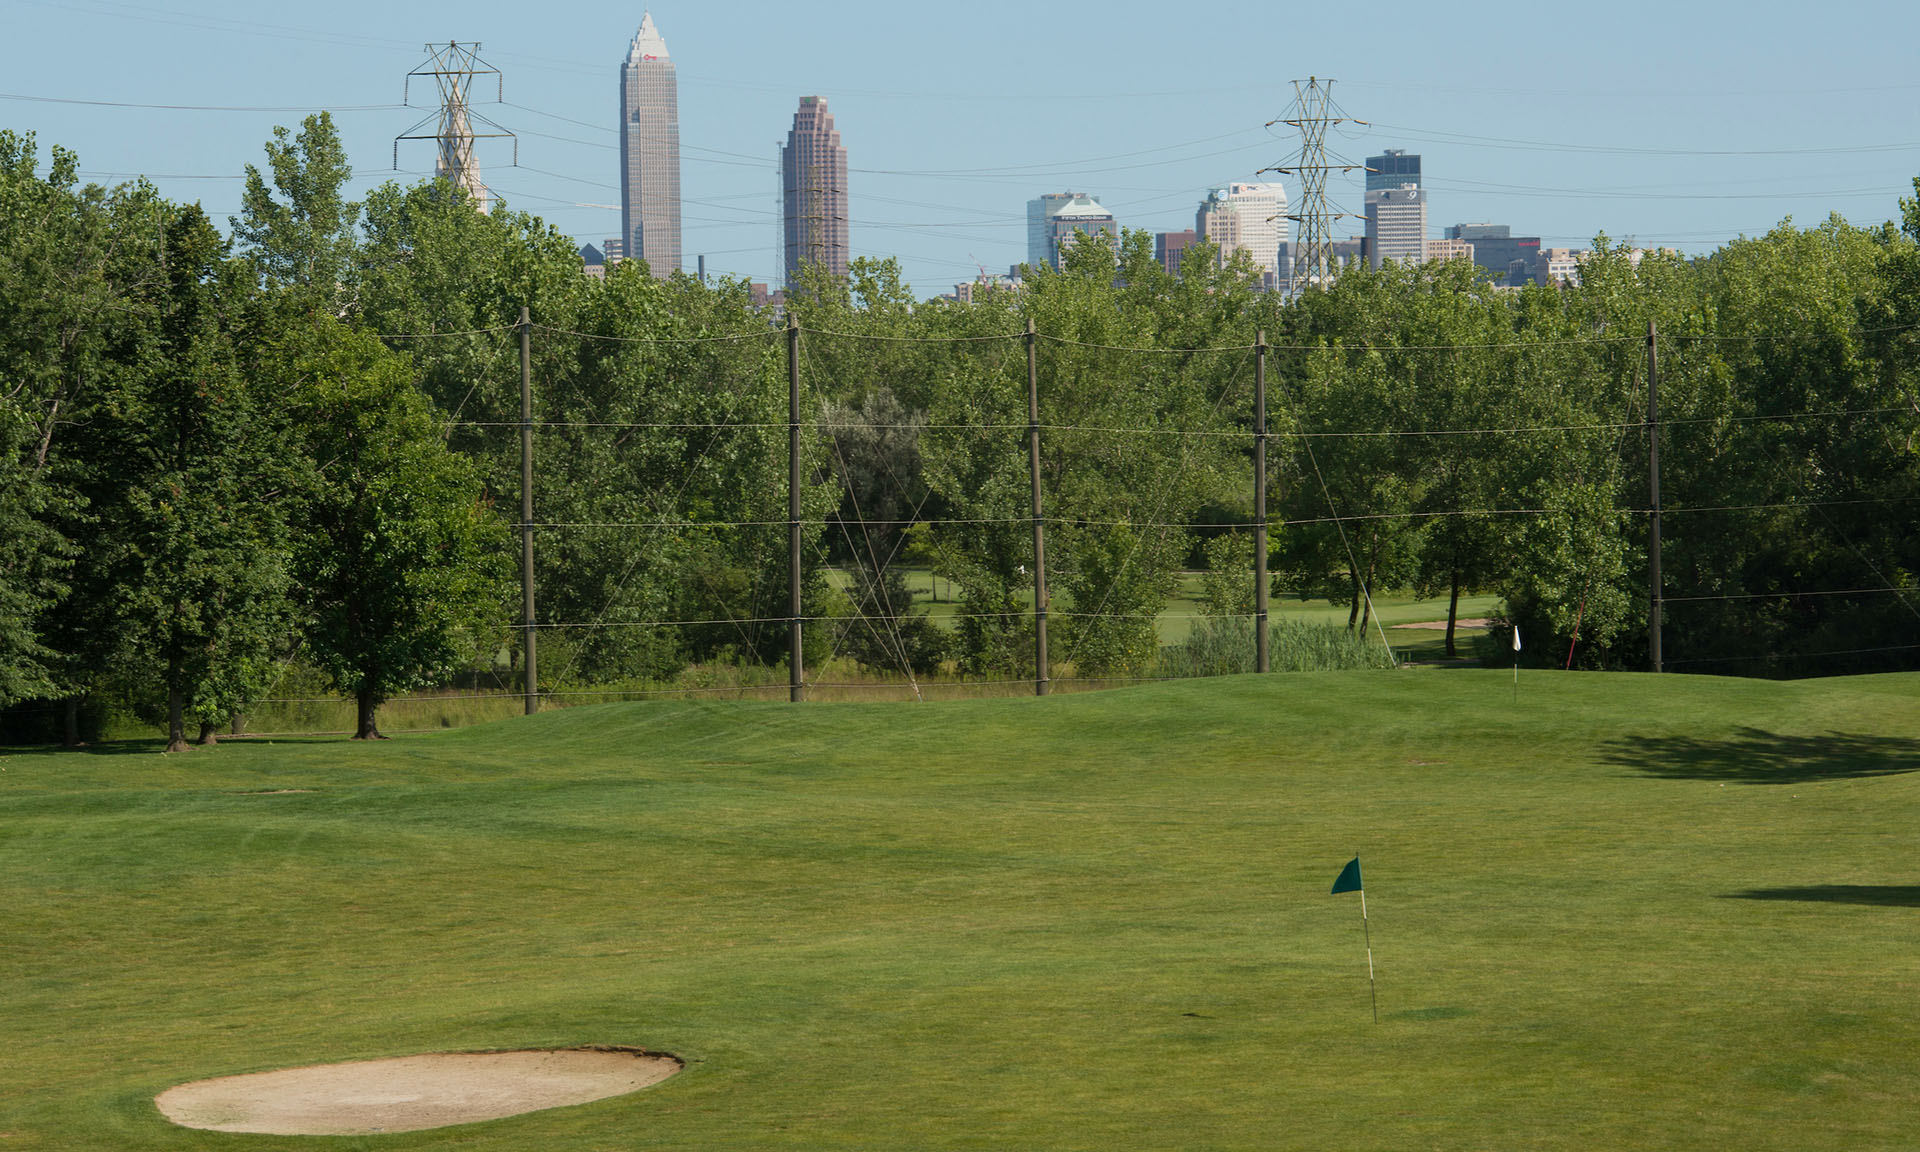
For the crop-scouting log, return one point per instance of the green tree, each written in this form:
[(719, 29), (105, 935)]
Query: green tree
[(1354, 485), (191, 528), (400, 564), (52, 285), (301, 231)]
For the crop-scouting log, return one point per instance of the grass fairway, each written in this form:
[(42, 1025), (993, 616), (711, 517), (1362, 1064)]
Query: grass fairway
[(1627, 913)]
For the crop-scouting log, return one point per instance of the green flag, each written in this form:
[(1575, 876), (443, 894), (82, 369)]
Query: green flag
[(1349, 880)]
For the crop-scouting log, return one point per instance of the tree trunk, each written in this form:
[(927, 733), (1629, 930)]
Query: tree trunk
[(70, 733), (239, 723), (1366, 596), (369, 704), (207, 734), (176, 715), (1453, 614)]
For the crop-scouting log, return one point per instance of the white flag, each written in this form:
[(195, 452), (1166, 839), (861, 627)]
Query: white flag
[(1516, 637)]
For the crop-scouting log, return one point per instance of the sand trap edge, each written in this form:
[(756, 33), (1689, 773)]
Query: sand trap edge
[(415, 1092)]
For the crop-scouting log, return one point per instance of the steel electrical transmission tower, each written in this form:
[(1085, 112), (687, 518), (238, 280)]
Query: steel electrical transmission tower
[(453, 69), (1313, 112)]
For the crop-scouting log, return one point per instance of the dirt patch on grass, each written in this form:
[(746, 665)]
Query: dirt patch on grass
[(408, 1093)]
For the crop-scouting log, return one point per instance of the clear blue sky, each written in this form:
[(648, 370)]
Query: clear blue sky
[(1561, 120)]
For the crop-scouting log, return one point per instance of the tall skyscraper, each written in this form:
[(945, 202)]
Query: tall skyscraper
[(1039, 212), (1396, 209), (1392, 170), (1397, 225), (650, 153), (1246, 217), (1053, 218), (456, 163), (813, 192)]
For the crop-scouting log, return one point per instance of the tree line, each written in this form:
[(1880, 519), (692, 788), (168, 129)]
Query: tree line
[(295, 442)]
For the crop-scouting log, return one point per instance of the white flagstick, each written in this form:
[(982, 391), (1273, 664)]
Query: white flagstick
[(1516, 663), (1371, 992)]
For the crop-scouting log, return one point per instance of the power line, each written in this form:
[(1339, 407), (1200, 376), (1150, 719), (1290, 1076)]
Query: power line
[(307, 108), (1786, 595), (1467, 140), (1797, 655)]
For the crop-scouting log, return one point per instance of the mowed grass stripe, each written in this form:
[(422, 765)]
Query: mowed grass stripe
[(1623, 912)]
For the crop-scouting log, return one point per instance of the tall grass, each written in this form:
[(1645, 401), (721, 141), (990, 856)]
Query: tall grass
[(1223, 646), (1217, 646)]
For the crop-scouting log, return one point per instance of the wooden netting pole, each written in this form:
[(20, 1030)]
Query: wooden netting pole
[(532, 684), (1041, 682), (796, 661), (1261, 661)]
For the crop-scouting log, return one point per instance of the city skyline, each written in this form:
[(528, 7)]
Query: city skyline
[(1643, 133)]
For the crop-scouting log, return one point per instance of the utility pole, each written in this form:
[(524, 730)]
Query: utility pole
[(526, 513), (1653, 487), (1260, 659), (796, 690), (1312, 113), (453, 69), (1042, 683)]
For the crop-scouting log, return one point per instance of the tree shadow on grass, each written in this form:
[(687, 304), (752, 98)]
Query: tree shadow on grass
[(1756, 756), (141, 746), (1882, 895), (153, 746)]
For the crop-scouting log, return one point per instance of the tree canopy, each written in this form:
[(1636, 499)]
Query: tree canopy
[(298, 447)]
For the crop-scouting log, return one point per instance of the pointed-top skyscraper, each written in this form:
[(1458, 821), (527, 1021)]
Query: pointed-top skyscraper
[(650, 152), (813, 181), (456, 163)]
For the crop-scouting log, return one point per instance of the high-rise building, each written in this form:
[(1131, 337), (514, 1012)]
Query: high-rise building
[(1393, 170), (1039, 236), (1250, 218), (1053, 219), (1397, 225), (1396, 209), (813, 192), (1169, 247), (650, 153), (457, 163)]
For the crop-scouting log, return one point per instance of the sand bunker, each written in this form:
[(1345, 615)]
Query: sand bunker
[(409, 1093), (1441, 625)]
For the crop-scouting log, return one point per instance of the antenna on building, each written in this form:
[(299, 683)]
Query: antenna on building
[(453, 69), (1313, 112)]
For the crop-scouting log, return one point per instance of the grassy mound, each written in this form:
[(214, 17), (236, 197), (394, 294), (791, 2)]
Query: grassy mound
[(1623, 912)]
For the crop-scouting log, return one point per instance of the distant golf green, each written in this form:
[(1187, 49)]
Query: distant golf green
[(1623, 912), (1176, 621)]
